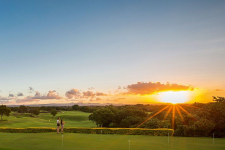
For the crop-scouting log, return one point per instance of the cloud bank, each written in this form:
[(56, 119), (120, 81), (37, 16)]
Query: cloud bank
[(28, 99), (50, 95), (3, 98), (30, 90), (73, 93), (11, 95), (218, 90), (100, 94), (147, 88), (20, 94), (88, 94)]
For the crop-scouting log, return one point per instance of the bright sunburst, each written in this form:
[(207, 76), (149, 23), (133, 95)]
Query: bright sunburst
[(173, 97)]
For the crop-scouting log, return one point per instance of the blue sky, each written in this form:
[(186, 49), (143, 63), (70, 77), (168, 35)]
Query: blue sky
[(60, 45)]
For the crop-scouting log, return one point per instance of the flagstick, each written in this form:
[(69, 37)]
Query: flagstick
[(62, 140), (168, 137), (101, 134), (129, 144)]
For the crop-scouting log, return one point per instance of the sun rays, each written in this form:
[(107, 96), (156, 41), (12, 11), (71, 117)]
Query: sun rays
[(171, 108), (152, 116)]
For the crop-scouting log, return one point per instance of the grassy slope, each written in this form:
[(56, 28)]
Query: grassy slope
[(71, 118), (46, 141)]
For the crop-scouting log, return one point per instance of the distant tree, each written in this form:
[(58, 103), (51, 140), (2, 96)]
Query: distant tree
[(131, 122), (49, 109), (14, 108), (53, 112), (85, 109), (102, 117), (43, 108), (29, 109), (75, 107), (36, 111), (4, 111), (33, 110), (65, 108), (69, 108), (153, 123), (22, 109), (219, 99), (125, 113), (112, 108), (203, 127)]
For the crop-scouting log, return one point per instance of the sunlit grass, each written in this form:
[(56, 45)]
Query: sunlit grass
[(71, 118), (48, 141)]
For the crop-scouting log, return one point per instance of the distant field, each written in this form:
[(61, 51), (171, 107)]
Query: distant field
[(48, 141), (71, 118)]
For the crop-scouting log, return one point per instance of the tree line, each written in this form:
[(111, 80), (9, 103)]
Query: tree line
[(194, 120)]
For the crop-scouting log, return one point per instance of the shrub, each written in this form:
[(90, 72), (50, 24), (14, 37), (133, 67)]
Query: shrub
[(130, 131), (27, 130)]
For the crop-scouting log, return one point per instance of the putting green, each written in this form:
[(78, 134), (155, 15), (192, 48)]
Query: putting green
[(48, 141), (72, 119)]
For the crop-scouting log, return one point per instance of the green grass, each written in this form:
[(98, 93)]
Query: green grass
[(47, 141), (71, 118)]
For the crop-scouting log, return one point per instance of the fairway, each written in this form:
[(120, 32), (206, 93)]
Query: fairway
[(71, 118), (47, 141)]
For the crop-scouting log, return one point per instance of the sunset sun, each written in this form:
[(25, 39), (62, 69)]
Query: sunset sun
[(173, 97)]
